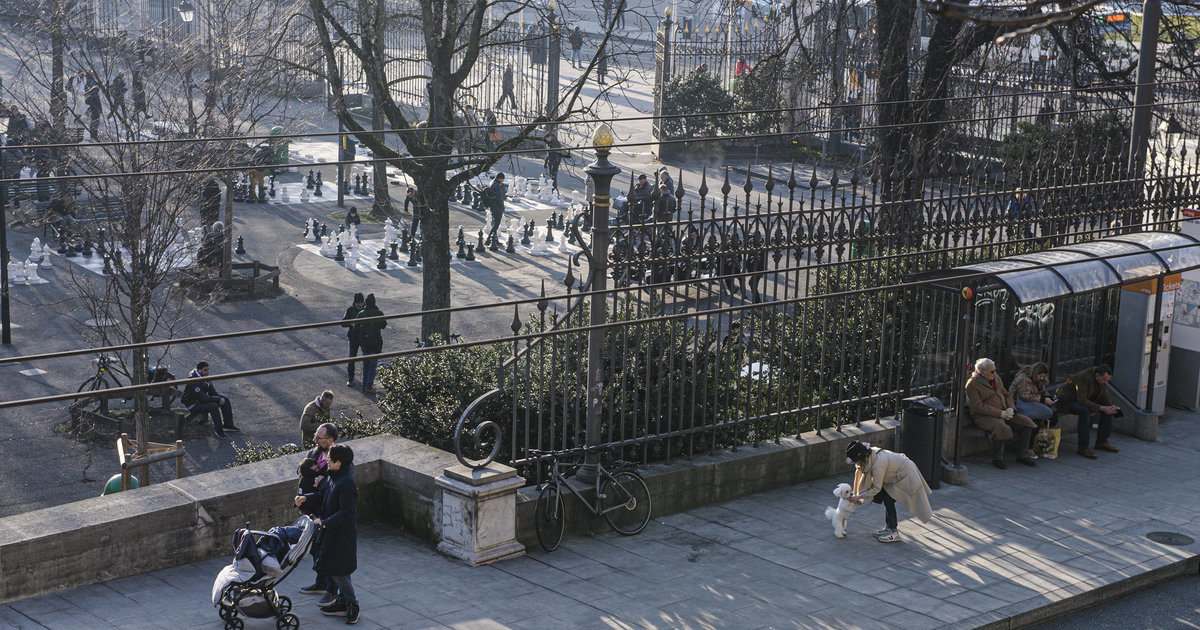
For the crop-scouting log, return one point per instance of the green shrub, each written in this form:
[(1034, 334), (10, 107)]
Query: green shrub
[(697, 93)]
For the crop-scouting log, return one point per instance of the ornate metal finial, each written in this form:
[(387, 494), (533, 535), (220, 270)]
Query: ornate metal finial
[(703, 190), (483, 431)]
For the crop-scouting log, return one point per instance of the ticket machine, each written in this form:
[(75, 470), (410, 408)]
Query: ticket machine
[(1144, 341), (1183, 386)]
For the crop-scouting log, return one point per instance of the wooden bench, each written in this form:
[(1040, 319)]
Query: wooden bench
[(99, 210), (40, 188)]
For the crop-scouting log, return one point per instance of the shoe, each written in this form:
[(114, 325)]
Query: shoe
[(313, 589), (350, 382), (1107, 447), (890, 537), (232, 429), (219, 435), (369, 390), (338, 609), (1087, 452), (327, 601), (881, 532), (1033, 455), (1028, 461), (999, 463), (352, 614)]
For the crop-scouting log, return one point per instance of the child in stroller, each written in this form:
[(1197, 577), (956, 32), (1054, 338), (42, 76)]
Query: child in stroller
[(262, 560)]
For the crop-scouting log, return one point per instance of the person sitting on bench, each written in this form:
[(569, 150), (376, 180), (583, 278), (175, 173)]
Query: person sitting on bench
[(203, 398), (992, 409)]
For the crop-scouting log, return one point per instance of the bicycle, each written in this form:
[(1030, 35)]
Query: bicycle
[(621, 497), (106, 368)]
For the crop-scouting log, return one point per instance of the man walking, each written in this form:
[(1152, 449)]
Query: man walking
[(508, 84), (203, 398), (1086, 394), (352, 333), (370, 337), (554, 158), (315, 414)]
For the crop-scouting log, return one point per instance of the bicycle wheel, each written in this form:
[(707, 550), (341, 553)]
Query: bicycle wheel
[(550, 519), (625, 502), (91, 403)]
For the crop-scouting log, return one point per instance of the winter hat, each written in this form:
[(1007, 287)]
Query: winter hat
[(371, 300), (857, 451)]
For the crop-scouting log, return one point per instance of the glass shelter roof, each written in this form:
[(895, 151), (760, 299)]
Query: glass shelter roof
[(1083, 267)]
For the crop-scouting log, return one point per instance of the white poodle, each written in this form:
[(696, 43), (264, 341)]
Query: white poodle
[(844, 509)]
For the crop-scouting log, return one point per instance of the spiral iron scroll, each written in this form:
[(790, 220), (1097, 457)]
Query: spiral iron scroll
[(478, 434)]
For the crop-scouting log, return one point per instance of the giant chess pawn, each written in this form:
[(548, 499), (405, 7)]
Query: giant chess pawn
[(283, 195), (340, 255), (461, 237), (317, 186), (326, 247), (46, 251), (35, 250), (310, 181), (271, 192), (15, 271), (31, 276), (479, 242), (511, 248), (366, 191)]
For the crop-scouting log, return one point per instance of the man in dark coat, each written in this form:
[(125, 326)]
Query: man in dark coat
[(370, 338), (324, 438), (352, 334), (204, 398), (339, 530), (507, 85), (1086, 394), (554, 157), (494, 196)]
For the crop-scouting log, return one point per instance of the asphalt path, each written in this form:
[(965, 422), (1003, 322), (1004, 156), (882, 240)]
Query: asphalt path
[(1170, 606)]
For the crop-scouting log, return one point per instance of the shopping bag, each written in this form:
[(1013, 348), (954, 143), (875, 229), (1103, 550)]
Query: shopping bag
[(1046, 442)]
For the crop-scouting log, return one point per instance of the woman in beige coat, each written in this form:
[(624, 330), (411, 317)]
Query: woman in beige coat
[(887, 477)]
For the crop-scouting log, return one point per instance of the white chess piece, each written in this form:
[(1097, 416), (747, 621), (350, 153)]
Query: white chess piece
[(35, 250), (46, 251), (283, 195), (16, 271), (312, 230), (304, 195), (327, 248), (31, 276)]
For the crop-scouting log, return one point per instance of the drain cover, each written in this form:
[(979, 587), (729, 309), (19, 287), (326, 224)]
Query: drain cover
[(1170, 538)]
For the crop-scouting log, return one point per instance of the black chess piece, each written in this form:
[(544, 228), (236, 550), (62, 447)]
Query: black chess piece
[(571, 237), (366, 186), (462, 252), (550, 230), (87, 244), (512, 248), (470, 252), (553, 218), (306, 230), (461, 237), (479, 247), (324, 230), (62, 243), (395, 255), (262, 194), (404, 240), (241, 247), (468, 196), (562, 221), (317, 186), (477, 203), (339, 256), (107, 265), (357, 184), (382, 259), (526, 234), (271, 192), (416, 251), (310, 181)]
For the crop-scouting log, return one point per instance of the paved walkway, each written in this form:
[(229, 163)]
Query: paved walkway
[(1004, 550)]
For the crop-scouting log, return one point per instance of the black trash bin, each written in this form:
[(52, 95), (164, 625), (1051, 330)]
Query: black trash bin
[(921, 435)]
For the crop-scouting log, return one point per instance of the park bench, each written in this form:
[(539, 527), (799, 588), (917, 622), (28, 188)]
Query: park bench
[(99, 210), (40, 188)]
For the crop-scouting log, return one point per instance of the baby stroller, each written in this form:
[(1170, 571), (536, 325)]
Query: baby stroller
[(261, 560)]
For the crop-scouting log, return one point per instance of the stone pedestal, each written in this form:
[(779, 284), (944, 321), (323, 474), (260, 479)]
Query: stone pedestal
[(479, 513)]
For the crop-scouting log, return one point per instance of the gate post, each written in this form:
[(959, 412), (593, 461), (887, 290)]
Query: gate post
[(553, 62), (662, 74)]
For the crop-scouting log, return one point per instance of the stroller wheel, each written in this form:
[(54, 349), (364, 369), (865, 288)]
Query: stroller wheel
[(233, 623), (288, 622), (227, 612), (284, 604)]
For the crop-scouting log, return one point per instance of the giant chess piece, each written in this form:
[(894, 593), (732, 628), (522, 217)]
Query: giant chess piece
[(241, 247), (35, 250), (461, 237), (327, 246), (479, 246), (31, 276), (526, 234), (283, 195), (262, 194), (271, 191), (562, 221), (46, 264), (310, 181), (62, 243), (470, 252), (382, 259), (108, 270), (550, 230), (395, 255), (405, 239), (511, 248), (16, 271), (317, 186), (462, 252), (339, 256), (366, 191), (86, 244), (304, 196)]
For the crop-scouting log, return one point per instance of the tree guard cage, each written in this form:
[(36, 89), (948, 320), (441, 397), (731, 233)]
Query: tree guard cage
[(1059, 306)]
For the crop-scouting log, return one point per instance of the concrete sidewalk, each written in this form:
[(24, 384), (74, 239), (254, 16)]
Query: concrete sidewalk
[(1010, 549)]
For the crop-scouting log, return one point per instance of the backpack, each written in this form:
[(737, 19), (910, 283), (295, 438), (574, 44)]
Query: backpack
[(489, 197)]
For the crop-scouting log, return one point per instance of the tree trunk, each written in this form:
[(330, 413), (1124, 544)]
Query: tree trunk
[(435, 271), (383, 196), (58, 92)]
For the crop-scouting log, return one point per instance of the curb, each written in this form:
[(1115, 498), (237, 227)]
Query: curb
[(1092, 597)]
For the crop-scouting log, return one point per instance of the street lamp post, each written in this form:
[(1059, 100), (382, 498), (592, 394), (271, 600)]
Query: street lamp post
[(602, 172), (5, 316), (187, 13)]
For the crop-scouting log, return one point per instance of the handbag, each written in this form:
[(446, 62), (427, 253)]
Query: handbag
[(1045, 445)]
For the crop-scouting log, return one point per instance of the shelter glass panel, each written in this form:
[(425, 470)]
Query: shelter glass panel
[(988, 334), (1085, 328), (1180, 259), (1129, 260), (1033, 330)]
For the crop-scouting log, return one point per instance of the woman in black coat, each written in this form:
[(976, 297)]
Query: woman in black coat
[(338, 557)]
